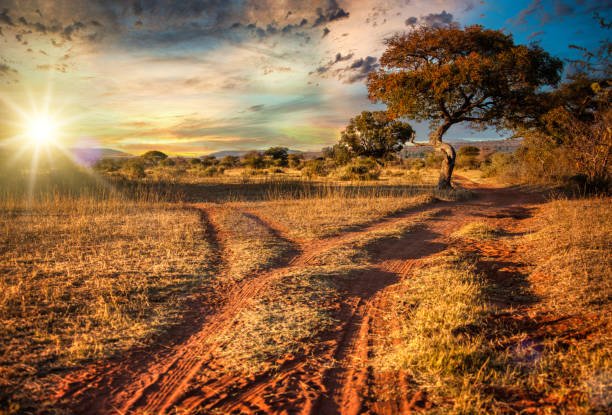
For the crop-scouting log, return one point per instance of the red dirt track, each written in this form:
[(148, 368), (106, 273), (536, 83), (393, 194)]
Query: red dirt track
[(179, 373)]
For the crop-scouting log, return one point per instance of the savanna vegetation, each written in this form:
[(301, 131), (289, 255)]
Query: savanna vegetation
[(479, 297)]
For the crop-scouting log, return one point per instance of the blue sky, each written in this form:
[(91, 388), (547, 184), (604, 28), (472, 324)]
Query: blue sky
[(198, 76)]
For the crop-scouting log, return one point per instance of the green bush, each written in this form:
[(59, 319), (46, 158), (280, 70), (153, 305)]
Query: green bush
[(415, 163), (212, 171), (134, 168), (315, 168), (167, 162), (153, 157), (107, 165), (361, 169), (295, 160), (496, 164)]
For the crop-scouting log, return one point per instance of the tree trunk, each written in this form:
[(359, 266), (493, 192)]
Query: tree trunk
[(448, 153)]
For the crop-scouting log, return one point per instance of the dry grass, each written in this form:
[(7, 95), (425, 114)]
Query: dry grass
[(323, 217), (574, 255), (252, 245), (83, 278), (479, 231), (297, 307), (473, 355)]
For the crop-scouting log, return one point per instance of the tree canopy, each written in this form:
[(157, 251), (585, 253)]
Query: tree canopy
[(373, 134), (449, 75)]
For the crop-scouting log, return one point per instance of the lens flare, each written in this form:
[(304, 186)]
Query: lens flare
[(42, 131)]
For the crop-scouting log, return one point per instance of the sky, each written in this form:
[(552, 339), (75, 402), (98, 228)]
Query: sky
[(193, 77)]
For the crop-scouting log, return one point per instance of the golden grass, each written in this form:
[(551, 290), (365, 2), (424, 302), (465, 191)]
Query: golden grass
[(473, 355), (252, 245), (323, 217), (479, 231), (83, 278), (573, 250), (297, 307)]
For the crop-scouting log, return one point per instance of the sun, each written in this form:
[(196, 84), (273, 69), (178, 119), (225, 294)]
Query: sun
[(42, 131)]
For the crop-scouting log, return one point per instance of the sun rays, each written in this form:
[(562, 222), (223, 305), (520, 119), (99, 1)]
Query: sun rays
[(42, 140)]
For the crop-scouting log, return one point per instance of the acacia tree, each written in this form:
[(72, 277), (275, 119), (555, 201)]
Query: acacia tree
[(373, 134), (448, 75)]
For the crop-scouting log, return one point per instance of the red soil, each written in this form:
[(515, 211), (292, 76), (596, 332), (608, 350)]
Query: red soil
[(179, 371)]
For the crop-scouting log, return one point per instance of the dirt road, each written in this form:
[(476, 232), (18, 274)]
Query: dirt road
[(180, 372)]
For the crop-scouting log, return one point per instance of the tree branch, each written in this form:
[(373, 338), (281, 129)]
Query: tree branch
[(411, 141)]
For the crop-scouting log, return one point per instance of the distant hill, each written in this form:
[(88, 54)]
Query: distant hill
[(91, 155), (240, 153), (488, 146)]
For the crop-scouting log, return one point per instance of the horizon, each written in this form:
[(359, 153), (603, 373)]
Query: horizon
[(199, 78)]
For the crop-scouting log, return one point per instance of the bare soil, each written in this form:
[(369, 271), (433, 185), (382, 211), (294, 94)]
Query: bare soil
[(180, 372)]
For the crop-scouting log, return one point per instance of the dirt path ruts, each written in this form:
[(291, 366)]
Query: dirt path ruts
[(158, 378)]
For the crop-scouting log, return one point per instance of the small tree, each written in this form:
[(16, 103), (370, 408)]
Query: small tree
[(229, 161), (339, 153), (295, 160), (279, 155), (154, 157), (254, 160), (373, 134), (448, 75)]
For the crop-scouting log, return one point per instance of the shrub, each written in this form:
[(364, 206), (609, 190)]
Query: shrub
[(433, 159), (315, 167), (254, 160), (153, 157), (107, 165), (212, 171), (134, 168), (295, 160), (415, 163), (361, 169), (167, 162), (195, 162), (496, 164), (469, 151), (465, 161), (230, 161), (209, 161)]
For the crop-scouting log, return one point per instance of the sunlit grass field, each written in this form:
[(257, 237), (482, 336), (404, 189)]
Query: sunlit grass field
[(93, 266)]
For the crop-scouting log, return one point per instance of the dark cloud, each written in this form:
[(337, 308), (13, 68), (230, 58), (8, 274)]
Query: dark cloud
[(169, 21), (359, 69), (5, 69), (331, 13), (437, 19), (411, 21), (5, 18), (325, 32), (325, 68), (433, 19), (256, 107)]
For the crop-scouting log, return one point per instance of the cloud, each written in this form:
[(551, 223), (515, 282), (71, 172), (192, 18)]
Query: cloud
[(562, 9), (437, 19), (521, 18), (325, 32), (5, 69), (411, 21), (535, 34), (432, 19), (360, 69), (338, 58), (332, 13), (5, 18)]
